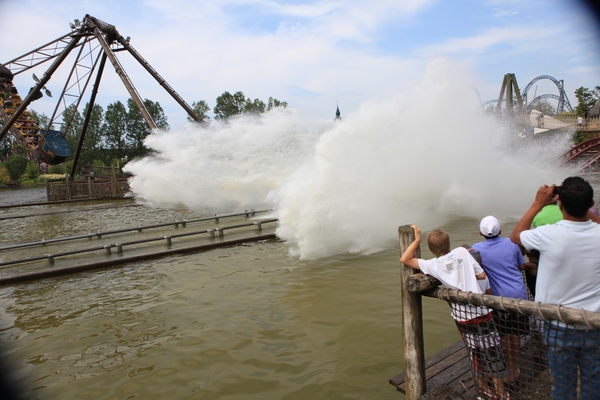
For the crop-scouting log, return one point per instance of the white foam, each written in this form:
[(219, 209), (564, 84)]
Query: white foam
[(424, 157)]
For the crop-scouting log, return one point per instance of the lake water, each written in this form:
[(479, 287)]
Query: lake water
[(316, 315), (244, 322)]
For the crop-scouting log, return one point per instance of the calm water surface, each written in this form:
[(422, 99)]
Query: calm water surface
[(246, 322)]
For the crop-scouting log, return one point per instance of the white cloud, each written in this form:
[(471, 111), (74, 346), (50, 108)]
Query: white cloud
[(517, 37), (309, 54)]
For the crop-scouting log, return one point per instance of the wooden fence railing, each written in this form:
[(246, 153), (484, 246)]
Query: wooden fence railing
[(415, 285), (98, 188)]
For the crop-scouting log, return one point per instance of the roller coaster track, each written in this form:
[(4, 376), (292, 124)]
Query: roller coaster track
[(561, 98), (588, 152)]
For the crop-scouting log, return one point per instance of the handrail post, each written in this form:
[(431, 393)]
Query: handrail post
[(113, 180), (67, 187), (412, 325)]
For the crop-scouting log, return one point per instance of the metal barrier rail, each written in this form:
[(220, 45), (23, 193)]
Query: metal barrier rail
[(90, 235), (119, 246), (126, 259)]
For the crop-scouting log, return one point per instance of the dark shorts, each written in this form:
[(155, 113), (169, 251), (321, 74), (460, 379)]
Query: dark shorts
[(488, 362), (482, 341), (511, 323)]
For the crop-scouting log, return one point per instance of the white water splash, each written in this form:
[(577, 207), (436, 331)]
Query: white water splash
[(224, 168), (424, 157)]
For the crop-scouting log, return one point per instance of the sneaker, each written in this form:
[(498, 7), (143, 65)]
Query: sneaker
[(484, 395), (492, 395)]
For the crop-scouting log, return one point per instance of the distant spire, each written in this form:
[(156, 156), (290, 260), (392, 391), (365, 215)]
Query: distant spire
[(337, 113)]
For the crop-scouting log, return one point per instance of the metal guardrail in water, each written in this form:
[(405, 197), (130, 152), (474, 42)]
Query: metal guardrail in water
[(183, 222), (119, 246)]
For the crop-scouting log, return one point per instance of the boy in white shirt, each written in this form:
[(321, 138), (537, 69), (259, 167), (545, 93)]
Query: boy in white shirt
[(458, 270)]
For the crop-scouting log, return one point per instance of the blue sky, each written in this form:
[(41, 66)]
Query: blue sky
[(313, 54)]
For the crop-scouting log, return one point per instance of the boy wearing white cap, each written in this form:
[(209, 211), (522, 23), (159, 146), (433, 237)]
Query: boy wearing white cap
[(501, 260)]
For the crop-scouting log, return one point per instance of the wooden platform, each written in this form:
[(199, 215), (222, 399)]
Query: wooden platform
[(450, 367), (450, 370)]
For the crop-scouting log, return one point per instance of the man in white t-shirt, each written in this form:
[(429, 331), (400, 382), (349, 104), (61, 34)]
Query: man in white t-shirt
[(569, 275), (457, 269)]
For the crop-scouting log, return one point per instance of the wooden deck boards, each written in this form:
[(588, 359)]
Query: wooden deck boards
[(448, 367), (451, 368)]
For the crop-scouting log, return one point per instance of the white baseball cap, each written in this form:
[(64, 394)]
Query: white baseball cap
[(489, 226)]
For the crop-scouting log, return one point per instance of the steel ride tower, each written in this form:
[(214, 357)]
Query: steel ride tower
[(96, 42)]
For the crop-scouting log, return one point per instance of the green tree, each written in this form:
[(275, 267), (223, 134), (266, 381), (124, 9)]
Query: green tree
[(92, 142), (545, 107), (274, 103), (228, 105), (7, 146), (58, 169), (138, 129), (254, 107), (200, 108), (32, 170), (4, 178), (115, 131), (91, 146), (41, 119), (586, 99), (72, 124), (157, 113), (15, 165)]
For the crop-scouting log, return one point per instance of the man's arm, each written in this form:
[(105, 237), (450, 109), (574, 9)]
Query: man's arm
[(481, 276), (593, 217), (543, 197), (408, 258), (529, 266)]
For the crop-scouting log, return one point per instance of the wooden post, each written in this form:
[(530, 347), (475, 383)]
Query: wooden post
[(68, 188), (47, 190), (114, 182), (90, 187), (412, 325)]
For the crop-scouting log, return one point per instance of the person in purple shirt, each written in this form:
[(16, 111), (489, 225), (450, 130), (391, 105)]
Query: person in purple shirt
[(501, 260)]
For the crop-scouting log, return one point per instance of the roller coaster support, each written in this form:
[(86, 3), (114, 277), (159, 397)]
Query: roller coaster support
[(88, 114), (112, 33), (45, 78), (160, 80), (510, 86), (98, 27), (55, 149)]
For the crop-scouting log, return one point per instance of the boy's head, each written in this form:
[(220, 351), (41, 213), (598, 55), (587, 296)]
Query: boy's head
[(438, 242), (489, 227), (576, 196)]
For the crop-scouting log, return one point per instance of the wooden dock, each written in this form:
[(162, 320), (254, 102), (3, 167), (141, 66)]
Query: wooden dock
[(450, 368), (448, 374)]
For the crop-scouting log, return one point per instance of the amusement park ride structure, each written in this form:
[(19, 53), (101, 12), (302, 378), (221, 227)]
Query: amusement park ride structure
[(96, 42), (583, 157), (518, 99)]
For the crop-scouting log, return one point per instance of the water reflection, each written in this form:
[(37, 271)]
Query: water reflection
[(234, 322), (240, 322), (22, 196)]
